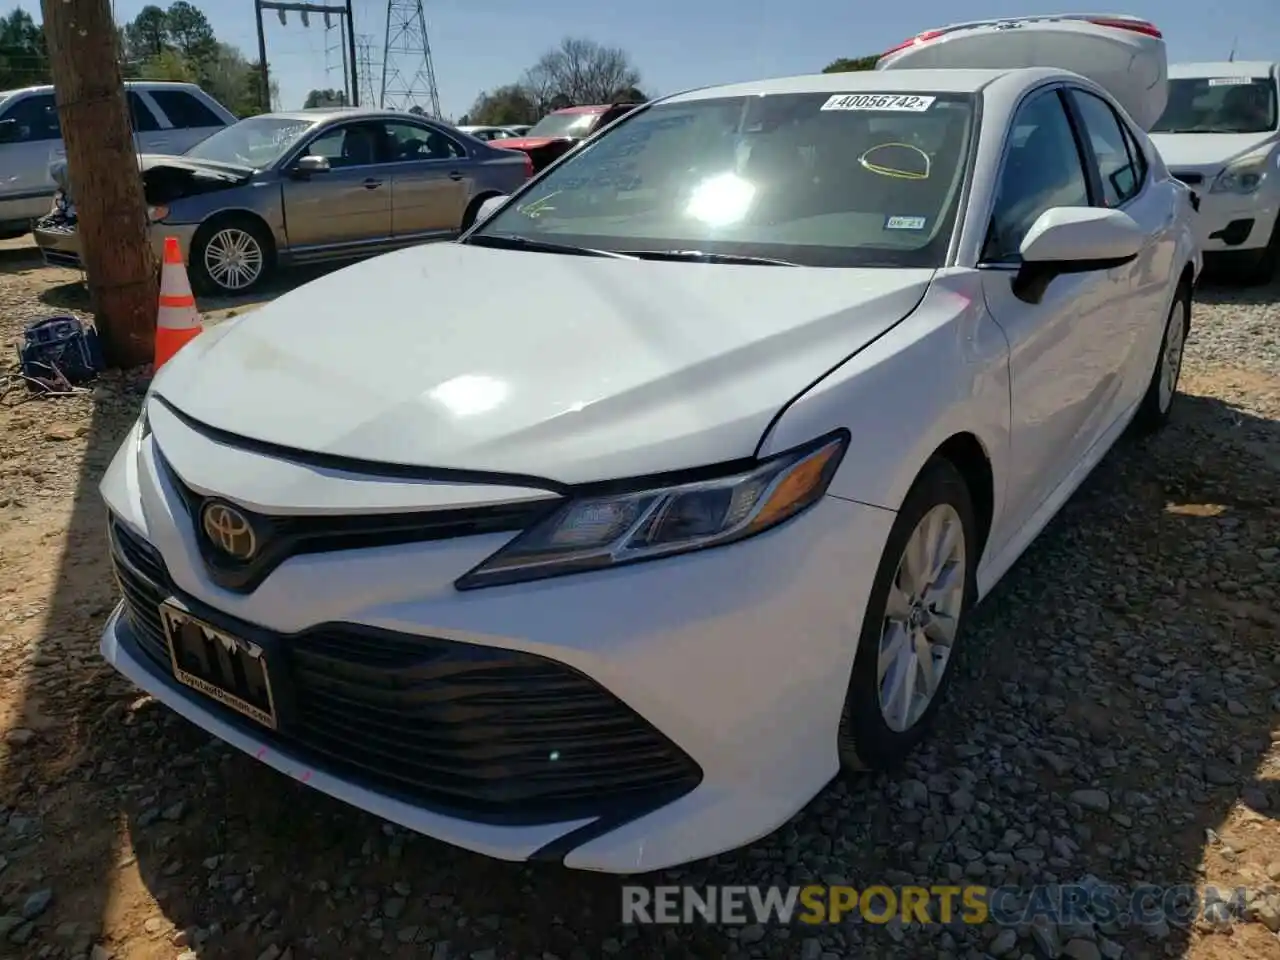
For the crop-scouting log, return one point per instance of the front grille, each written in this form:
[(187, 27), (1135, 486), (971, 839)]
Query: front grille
[(285, 536), (476, 732)]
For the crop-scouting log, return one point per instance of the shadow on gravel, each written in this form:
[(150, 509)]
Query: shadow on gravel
[(15, 257), (1129, 652), (1222, 290)]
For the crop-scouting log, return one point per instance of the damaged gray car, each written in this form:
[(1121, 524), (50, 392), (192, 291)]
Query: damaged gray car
[(288, 188)]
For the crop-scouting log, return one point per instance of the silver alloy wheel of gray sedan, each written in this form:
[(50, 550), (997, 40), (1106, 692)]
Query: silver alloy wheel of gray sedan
[(921, 616), (233, 259)]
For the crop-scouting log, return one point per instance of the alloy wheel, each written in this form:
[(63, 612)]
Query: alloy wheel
[(233, 258), (921, 617)]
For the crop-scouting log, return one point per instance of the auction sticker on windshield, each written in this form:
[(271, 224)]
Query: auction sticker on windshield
[(1230, 81), (879, 101)]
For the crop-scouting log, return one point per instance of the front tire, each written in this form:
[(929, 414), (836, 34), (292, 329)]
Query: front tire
[(914, 622), (1157, 403), (231, 256)]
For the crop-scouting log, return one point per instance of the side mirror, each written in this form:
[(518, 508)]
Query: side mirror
[(306, 166), (1074, 240), (8, 130), (489, 207)]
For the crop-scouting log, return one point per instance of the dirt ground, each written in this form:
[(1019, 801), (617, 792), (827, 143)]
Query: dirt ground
[(127, 833)]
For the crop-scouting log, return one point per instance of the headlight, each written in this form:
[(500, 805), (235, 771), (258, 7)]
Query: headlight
[(609, 530), (156, 214), (1244, 176)]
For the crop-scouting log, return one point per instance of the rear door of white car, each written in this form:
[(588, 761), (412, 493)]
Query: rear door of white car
[(1066, 378), (1143, 287)]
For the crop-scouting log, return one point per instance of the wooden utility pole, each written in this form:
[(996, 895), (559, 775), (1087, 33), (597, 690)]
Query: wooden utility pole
[(102, 165)]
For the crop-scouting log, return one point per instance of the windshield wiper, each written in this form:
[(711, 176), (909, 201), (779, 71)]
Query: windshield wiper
[(510, 241), (701, 256)]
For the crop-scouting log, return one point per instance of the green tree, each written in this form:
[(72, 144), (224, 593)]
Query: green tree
[(24, 59), (846, 65), (189, 31), (147, 34), (325, 98), (167, 65), (253, 103), (505, 105)]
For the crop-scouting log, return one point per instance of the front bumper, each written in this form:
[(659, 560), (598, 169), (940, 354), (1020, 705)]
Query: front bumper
[(1229, 222), (60, 245), (739, 656)]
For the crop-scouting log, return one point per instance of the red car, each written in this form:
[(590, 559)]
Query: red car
[(559, 131)]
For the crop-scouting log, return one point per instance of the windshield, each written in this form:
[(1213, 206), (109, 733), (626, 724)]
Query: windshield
[(564, 125), (814, 179), (1219, 105), (257, 142)]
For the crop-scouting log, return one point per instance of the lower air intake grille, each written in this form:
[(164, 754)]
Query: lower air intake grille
[(476, 732)]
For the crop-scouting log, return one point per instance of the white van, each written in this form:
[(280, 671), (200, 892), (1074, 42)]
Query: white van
[(167, 118), (1220, 134)]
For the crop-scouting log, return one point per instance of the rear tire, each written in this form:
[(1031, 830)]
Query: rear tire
[(1157, 404), (909, 624)]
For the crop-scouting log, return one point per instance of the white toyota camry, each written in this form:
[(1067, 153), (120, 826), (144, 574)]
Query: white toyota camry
[(625, 575)]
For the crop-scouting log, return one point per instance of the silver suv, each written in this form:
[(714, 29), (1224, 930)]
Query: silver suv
[(167, 118)]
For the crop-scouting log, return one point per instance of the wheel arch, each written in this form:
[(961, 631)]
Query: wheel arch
[(968, 454), (228, 214), (473, 208)]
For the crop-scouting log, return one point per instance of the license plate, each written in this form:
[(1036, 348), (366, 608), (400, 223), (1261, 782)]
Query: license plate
[(229, 669)]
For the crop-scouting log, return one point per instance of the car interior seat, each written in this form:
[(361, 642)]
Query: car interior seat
[(358, 148)]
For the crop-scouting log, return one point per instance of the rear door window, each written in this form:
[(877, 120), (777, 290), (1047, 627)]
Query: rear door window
[(142, 116), (35, 119), (1120, 171), (184, 111)]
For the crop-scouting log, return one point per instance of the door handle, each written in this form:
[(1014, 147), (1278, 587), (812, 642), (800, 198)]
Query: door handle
[(372, 184), (455, 175)]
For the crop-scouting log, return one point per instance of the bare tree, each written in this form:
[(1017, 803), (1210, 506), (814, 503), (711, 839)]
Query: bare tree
[(581, 70), (103, 166)]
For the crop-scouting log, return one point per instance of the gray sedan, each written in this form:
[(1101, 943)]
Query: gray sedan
[(289, 188)]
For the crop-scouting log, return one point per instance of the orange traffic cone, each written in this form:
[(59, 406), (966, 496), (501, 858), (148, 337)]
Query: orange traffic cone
[(177, 321)]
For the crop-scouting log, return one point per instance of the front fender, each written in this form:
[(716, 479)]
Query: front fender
[(941, 371)]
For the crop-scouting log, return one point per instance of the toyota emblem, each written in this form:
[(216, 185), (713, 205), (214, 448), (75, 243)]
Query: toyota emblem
[(230, 531)]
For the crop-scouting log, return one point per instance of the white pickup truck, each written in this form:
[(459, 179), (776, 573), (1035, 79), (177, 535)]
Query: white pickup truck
[(167, 118)]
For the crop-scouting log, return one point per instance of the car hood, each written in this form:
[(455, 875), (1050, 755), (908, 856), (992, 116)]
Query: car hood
[(1216, 150), (605, 368), (148, 162)]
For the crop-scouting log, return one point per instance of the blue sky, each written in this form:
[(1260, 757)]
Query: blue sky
[(678, 44)]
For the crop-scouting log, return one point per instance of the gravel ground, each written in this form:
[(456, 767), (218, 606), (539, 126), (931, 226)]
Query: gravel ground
[(1116, 718)]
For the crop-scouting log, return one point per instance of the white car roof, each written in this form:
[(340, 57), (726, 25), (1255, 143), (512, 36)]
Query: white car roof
[(1222, 68), (900, 81)]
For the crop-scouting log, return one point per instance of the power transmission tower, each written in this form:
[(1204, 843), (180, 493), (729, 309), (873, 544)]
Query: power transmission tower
[(364, 67), (408, 75)]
